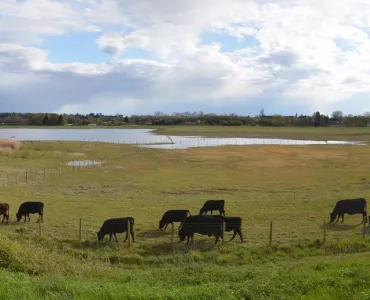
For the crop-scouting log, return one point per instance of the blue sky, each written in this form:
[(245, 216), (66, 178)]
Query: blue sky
[(144, 56)]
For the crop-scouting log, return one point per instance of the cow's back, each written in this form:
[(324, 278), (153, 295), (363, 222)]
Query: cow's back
[(117, 225), (202, 224), (31, 207), (350, 205)]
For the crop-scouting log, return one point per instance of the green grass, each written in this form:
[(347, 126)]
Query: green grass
[(294, 186)]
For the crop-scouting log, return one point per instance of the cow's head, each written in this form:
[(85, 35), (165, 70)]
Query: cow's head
[(161, 224), (332, 217), (19, 216), (202, 211), (100, 235)]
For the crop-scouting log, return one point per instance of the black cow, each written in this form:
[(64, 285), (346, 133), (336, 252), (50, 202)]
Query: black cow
[(30, 207), (205, 225), (351, 207), (116, 225), (232, 224), (175, 215), (211, 205)]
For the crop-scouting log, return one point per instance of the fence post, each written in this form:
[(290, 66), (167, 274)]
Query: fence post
[(173, 237), (128, 232), (44, 172), (80, 233), (4, 179), (26, 176), (223, 231), (60, 169), (270, 236), (364, 230), (324, 233)]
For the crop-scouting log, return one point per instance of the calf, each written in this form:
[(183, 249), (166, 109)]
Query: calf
[(211, 205), (204, 225), (173, 216), (116, 225), (4, 210), (30, 207), (351, 207), (232, 224)]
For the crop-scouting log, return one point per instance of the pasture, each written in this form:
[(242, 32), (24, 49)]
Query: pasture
[(294, 186)]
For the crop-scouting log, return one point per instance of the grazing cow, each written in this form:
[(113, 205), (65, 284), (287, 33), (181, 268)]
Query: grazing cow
[(4, 210), (205, 225), (30, 207), (173, 216), (211, 205), (351, 207), (232, 224), (116, 225)]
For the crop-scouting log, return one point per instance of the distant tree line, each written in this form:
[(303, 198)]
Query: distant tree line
[(337, 118)]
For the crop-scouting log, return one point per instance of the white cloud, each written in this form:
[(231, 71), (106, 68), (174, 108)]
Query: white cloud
[(308, 55)]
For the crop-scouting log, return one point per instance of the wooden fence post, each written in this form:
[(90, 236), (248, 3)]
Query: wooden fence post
[(270, 235), (364, 230), (128, 232), (173, 237), (80, 232), (60, 169), (223, 231), (26, 176), (44, 172), (4, 179), (324, 233)]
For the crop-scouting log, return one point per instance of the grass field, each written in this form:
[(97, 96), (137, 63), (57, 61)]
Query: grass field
[(294, 186)]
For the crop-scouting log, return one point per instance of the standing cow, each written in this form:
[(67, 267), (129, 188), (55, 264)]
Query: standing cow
[(116, 225), (205, 225), (175, 215), (211, 205), (30, 207), (232, 224), (351, 207), (4, 210)]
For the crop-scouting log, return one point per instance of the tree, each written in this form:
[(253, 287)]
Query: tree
[(126, 119), (262, 112), (45, 119), (337, 116), (60, 120), (316, 119)]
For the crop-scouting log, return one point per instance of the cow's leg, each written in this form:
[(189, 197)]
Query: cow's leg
[(342, 218), (132, 234), (3, 218), (115, 237), (217, 238), (187, 240), (192, 238), (234, 235), (222, 212), (164, 228), (364, 217), (110, 236), (126, 237)]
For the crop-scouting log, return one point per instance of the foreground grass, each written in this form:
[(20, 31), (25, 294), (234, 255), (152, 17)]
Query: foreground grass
[(296, 187)]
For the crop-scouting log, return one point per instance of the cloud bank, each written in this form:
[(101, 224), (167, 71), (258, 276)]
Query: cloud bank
[(212, 55)]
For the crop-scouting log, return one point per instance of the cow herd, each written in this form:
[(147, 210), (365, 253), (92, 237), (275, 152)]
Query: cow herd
[(210, 225)]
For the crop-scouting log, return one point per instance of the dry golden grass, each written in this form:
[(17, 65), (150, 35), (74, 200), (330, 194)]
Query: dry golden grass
[(9, 146)]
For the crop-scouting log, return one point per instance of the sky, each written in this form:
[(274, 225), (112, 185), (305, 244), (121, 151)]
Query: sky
[(222, 56)]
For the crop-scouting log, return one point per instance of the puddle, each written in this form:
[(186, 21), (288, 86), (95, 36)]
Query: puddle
[(83, 163), (185, 142)]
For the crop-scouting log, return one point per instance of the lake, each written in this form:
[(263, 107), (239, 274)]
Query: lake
[(144, 138)]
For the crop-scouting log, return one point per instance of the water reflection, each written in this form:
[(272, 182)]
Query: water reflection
[(146, 138)]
